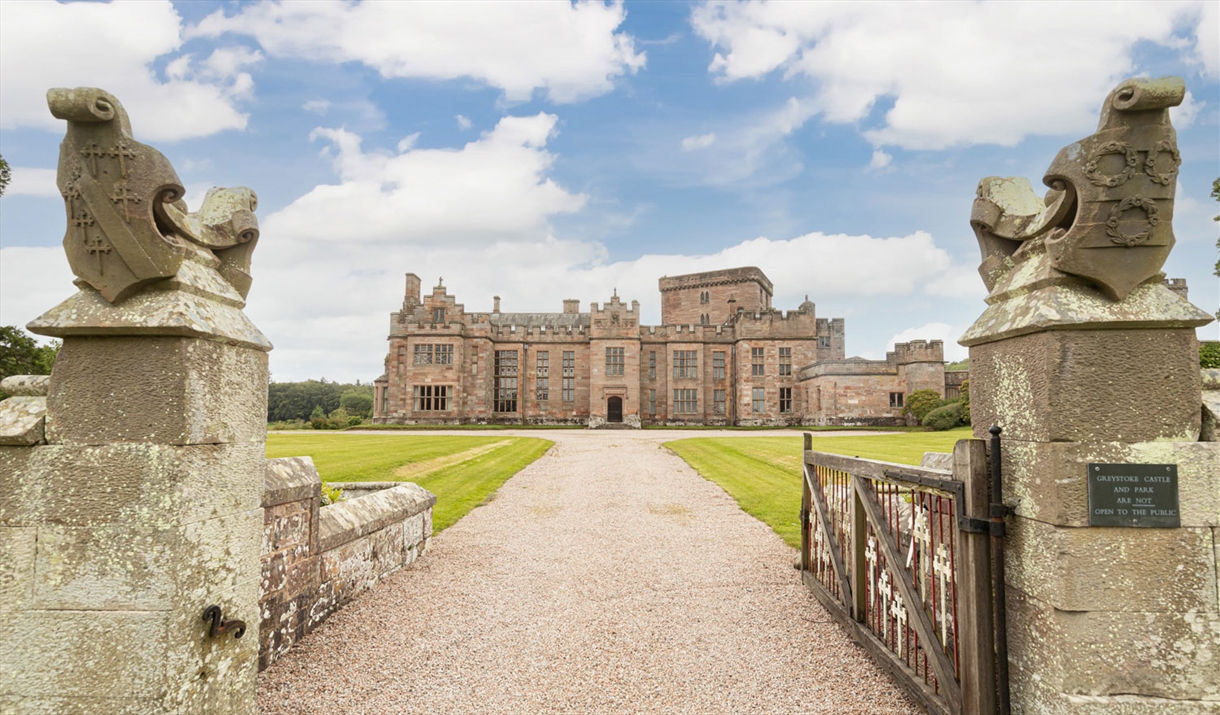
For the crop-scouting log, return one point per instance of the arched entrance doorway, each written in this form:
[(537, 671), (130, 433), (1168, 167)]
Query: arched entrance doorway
[(614, 409)]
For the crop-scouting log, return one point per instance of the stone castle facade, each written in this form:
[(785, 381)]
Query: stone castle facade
[(722, 356)]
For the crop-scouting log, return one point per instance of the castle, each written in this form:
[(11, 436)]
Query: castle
[(721, 356)]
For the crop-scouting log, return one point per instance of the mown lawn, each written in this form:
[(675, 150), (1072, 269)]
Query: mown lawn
[(459, 486), (764, 473)]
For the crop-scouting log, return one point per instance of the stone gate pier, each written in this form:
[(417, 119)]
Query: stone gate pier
[(132, 479), (1089, 364)]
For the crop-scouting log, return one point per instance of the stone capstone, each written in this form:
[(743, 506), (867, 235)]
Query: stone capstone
[(22, 420), (290, 479)]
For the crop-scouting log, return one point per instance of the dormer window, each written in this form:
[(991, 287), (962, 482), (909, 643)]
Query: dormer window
[(438, 316)]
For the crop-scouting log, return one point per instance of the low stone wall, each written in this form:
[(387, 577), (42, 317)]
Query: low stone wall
[(315, 559), (1210, 431)]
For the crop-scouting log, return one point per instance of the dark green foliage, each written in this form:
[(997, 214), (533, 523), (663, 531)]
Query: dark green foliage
[(297, 400), (944, 417), (965, 402), (20, 355), (5, 175), (1216, 196), (338, 419), (357, 402), (1209, 355), (920, 402)]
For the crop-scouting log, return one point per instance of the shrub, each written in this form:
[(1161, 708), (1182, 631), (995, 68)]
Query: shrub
[(331, 495), (1209, 355), (920, 402), (336, 420), (944, 417), (288, 425), (966, 401)]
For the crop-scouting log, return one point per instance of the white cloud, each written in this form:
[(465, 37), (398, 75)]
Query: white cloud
[(491, 188), (114, 46), (27, 181), (701, 141), (1185, 113), (316, 106), (996, 75), (463, 122), (751, 147), (570, 51), (880, 159), (32, 281), (934, 331), (1207, 38)]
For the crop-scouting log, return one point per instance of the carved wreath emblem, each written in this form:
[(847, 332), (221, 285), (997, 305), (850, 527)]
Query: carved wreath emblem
[(1115, 232), (1094, 173), (1150, 163)]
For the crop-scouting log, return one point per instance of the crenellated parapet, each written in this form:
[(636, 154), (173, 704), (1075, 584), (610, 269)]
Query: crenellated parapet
[(916, 351)]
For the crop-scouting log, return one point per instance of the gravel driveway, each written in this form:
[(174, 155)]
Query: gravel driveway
[(606, 577)]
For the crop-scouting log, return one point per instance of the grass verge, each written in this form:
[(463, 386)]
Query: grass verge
[(764, 473), (813, 428), (459, 487), (471, 427)]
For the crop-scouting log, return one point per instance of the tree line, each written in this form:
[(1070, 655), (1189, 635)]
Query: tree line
[(288, 401)]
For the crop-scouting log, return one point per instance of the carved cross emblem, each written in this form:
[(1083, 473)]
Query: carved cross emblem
[(940, 566), (921, 538), (122, 151), (71, 194), (900, 617), (92, 152), (96, 245), (870, 555), (886, 591), (123, 196)]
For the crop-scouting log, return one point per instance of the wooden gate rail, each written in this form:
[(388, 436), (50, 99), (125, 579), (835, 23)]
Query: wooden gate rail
[(892, 552)]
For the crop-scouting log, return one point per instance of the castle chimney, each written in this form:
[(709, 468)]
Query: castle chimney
[(571, 305), (496, 307), (412, 293)]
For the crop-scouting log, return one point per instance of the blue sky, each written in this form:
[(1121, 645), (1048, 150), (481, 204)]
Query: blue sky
[(541, 151)]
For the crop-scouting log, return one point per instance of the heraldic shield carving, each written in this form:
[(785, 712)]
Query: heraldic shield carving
[(1108, 216), (128, 226)]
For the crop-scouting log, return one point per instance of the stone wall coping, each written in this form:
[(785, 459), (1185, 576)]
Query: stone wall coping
[(937, 460), (365, 486), (289, 479), (849, 367), (349, 520), (26, 385), (1211, 379)]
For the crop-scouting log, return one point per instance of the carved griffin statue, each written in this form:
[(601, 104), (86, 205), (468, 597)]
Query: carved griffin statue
[(128, 226), (1108, 216)]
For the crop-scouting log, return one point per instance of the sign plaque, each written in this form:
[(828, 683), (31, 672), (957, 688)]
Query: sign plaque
[(1139, 495)]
